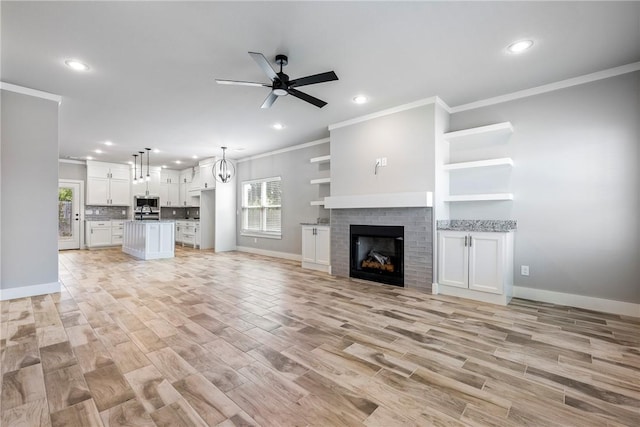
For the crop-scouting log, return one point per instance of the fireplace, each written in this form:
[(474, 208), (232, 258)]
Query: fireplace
[(377, 253)]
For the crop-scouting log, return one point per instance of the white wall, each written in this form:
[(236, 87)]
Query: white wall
[(29, 193), (405, 138), (576, 181)]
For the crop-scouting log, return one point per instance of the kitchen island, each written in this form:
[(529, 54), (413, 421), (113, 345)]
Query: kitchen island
[(149, 239)]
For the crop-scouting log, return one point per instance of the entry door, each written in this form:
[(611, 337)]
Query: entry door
[(68, 215)]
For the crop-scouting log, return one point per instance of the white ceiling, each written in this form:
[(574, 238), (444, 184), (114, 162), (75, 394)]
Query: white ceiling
[(153, 64)]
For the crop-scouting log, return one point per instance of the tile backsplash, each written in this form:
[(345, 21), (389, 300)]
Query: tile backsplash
[(100, 213), (179, 213)]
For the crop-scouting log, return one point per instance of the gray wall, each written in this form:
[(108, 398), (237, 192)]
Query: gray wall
[(406, 139), (29, 184), (576, 181), (72, 171), (296, 172)]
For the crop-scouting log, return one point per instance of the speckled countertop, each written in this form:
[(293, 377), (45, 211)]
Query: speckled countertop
[(477, 225), (318, 224)]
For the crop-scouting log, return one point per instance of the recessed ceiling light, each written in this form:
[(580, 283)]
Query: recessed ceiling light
[(164, 166), (155, 150), (89, 158), (108, 143), (178, 162), (278, 126), (194, 157), (76, 65), (519, 46), (360, 99), (130, 162), (239, 149), (99, 151)]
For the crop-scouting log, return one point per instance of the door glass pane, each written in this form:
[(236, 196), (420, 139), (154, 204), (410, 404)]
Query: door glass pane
[(65, 211)]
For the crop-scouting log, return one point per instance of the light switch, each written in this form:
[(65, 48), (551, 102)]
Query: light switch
[(383, 161)]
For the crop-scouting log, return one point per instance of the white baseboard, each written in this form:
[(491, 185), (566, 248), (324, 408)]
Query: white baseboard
[(317, 267), (434, 289), (579, 301), (275, 254), (29, 291)]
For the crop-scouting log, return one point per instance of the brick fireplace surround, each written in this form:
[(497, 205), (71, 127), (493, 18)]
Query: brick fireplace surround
[(418, 240)]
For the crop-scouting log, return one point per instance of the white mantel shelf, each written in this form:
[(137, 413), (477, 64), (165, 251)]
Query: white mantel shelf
[(419, 199)]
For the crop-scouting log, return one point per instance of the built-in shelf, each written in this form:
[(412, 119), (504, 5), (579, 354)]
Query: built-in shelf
[(317, 203), (480, 134), (321, 159), (479, 197), (320, 181), (506, 161)]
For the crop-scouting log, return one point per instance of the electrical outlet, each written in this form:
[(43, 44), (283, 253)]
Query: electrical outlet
[(255, 240), (124, 212), (383, 161), (174, 212), (524, 270)]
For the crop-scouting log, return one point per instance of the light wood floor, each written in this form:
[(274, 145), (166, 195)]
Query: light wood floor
[(235, 340)]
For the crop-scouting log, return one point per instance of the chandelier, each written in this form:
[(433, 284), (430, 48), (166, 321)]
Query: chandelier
[(223, 169)]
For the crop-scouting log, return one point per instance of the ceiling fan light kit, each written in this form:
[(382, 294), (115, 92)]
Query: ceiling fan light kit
[(281, 85)]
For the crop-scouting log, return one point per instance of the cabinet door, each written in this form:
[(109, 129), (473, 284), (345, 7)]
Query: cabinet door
[(120, 172), (97, 191), (179, 230), (99, 236), (207, 180), (308, 244), (164, 194), (98, 169), (486, 262), (195, 180), (153, 185), (182, 194), (120, 192), (453, 254), (323, 245)]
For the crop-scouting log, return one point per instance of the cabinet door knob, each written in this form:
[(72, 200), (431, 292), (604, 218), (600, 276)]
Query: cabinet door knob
[(470, 240), (465, 241)]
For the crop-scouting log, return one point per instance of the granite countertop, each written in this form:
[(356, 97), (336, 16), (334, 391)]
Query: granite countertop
[(477, 225), (317, 224)]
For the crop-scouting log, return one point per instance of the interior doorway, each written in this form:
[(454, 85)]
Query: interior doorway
[(69, 215)]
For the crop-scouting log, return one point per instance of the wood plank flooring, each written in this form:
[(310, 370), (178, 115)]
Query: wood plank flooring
[(235, 339)]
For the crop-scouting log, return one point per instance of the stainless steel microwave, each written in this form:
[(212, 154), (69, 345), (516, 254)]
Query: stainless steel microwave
[(146, 204)]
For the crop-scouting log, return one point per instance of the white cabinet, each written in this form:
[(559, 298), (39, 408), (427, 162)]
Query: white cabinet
[(189, 191), (98, 233), (117, 231), (321, 182), (150, 187), (316, 245), (477, 265), (108, 184), (207, 179), (169, 188), (188, 233)]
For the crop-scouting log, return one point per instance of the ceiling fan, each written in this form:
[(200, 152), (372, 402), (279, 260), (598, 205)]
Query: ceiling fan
[(280, 83)]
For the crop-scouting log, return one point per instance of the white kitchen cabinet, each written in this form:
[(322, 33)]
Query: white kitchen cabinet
[(207, 179), (150, 187), (117, 231), (477, 265), (98, 233), (189, 192), (108, 184), (316, 245), (169, 188), (188, 233)]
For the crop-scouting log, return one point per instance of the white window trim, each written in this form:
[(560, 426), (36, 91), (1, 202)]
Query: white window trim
[(259, 233)]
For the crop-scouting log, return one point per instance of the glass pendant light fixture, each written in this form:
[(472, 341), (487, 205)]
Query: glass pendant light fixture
[(148, 175), (135, 168), (141, 159), (223, 169)]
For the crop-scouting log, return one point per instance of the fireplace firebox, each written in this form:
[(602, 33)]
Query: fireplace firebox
[(377, 253)]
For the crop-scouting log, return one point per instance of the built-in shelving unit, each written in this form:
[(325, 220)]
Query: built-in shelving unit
[(320, 181), (321, 159), (506, 161), (479, 197), (490, 134)]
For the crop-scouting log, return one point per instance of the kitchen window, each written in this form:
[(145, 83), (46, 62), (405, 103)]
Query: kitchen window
[(262, 208)]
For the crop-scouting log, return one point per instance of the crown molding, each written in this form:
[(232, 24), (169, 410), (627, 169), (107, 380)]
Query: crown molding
[(285, 150), (416, 104), (562, 84), (30, 92)]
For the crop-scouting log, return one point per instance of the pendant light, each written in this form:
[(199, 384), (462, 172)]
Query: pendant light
[(148, 175), (223, 170), (135, 168), (141, 159)]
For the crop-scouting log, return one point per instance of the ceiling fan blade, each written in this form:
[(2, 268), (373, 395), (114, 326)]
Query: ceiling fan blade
[(316, 78), (310, 99), (270, 100), (264, 64), (240, 83)]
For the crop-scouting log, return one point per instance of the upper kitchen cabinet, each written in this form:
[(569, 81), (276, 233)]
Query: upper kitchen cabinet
[(169, 188), (108, 184), (190, 187), (207, 179), (149, 187)]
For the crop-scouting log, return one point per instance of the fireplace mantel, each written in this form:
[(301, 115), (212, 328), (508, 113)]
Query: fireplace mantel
[(418, 199)]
